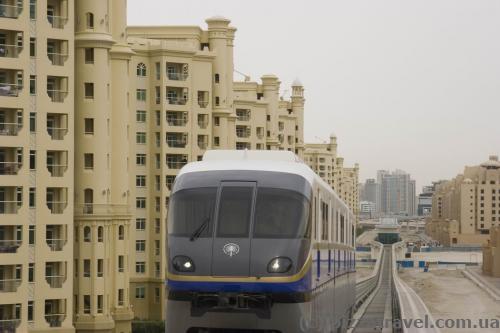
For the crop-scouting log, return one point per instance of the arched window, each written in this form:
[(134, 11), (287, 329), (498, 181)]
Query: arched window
[(100, 234), (89, 17), (88, 201), (121, 232), (141, 69), (86, 234)]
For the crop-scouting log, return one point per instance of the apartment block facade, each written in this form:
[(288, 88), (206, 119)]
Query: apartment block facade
[(323, 159), (36, 165), (397, 193), (466, 208)]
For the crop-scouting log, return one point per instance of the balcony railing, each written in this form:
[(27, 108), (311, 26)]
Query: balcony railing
[(57, 133), (177, 121), (9, 129), (10, 11), (9, 285), (202, 144), (9, 246), (57, 170), (102, 209), (56, 244), (9, 325), (57, 22), (175, 76), (176, 164), (10, 89), (55, 281), (173, 143), (10, 51), (177, 100), (57, 59), (56, 207), (9, 207), (9, 168), (203, 124), (57, 96), (55, 319), (243, 133), (202, 103)]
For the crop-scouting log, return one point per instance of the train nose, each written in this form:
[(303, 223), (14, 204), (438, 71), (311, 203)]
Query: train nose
[(231, 257)]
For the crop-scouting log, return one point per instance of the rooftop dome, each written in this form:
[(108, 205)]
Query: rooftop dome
[(492, 163), (296, 83)]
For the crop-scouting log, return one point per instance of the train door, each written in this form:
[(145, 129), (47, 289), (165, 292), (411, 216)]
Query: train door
[(232, 241)]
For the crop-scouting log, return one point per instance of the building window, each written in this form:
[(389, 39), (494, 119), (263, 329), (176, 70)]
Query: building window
[(32, 122), (100, 234), (140, 224), (157, 95), (121, 232), (140, 116), (216, 141), (140, 159), (157, 295), (121, 265), (99, 303), (140, 202), (157, 118), (30, 310), (31, 272), (33, 9), (217, 121), (86, 234), (157, 226), (32, 47), (157, 247), (100, 267), (140, 181), (157, 70), (216, 78), (120, 297), (89, 17), (140, 267), (141, 69), (32, 197), (217, 101), (140, 292), (89, 55), (86, 304), (32, 160), (140, 138), (86, 268), (140, 245), (88, 161), (32, 85), (31, 235), (89, 90), (141, 95), (89, 126)]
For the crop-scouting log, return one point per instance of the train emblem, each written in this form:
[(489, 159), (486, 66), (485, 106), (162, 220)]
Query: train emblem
[(231, 249)]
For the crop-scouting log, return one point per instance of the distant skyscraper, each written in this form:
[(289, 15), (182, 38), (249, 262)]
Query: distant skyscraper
[(396, 193), (370, 192)]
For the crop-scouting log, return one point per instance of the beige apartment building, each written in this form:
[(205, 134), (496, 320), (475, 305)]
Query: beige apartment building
[(491, 253), (323, 159), (465, 208), (36, 165)]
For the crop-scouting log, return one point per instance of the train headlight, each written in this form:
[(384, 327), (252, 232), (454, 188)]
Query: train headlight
[(279, 265), (183, 264)]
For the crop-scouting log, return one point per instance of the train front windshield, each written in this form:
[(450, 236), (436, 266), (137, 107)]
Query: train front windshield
[(278, 213)]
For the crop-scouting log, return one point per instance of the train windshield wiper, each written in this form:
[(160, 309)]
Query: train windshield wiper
[(197, 233)]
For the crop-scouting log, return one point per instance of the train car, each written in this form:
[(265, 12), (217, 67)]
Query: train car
[(257, 242)]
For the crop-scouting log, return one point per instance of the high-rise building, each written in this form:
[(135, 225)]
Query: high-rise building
[(396, 193), (465, 208), (36, 165), (370, 192), (323, 159)]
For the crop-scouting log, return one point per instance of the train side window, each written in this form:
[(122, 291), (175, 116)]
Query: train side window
[(342, 231), (324, 221)]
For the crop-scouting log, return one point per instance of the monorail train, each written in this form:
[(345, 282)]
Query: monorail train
[(257, 242)]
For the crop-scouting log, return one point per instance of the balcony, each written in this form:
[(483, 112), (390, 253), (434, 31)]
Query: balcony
[(10, 278), (203, 141), (10, 160), (243, 114), (177, 118), (55, 312), (260, 132), (243, 145), (57, 125), (57, 51), (57, 199), (9, 43), (10, 199), (203, 121), (101, 209), (57, 13), (55, 237), (55, 274), (176, 161), (10, 238), (177, 140), (10, 82), (169, 182), (177, 71), (57, 162), (11, 121), (10, 9), (203, 98), (177, 96), (57, 88), (243, 131)]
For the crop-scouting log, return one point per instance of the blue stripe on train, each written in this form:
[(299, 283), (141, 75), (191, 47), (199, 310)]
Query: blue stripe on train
[(301, 285)]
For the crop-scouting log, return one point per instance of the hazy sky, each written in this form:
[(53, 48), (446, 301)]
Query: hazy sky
[(413, 85)]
